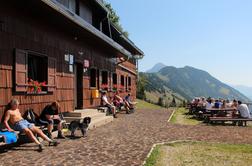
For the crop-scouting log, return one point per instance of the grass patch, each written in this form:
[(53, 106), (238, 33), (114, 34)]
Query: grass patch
[(180, 117), (145, 105), (202, 153), (154, 157)]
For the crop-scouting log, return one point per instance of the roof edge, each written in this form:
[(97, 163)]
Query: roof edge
[(87, 26)]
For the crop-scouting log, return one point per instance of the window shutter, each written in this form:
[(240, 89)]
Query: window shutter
[(21, 70), (51, 74)]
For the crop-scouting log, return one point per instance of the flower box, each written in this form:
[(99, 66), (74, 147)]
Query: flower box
[(35, 87)]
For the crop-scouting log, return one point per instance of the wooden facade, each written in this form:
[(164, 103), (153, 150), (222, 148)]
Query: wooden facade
[(37, 41)]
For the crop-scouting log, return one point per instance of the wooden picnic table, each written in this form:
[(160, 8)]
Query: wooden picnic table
[(214, 111)]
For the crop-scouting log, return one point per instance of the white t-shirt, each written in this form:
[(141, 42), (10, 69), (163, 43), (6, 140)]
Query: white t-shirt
[(105, 100), (244, 111), (209, 105)]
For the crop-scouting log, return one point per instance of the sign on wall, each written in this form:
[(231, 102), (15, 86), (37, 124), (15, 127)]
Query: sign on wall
[(70, 61), (86, 63)]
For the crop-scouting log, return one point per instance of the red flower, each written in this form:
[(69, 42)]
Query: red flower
[(43, 83), (35, 86)]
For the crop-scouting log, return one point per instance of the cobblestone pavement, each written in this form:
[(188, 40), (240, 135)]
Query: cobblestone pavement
[(124, 142)]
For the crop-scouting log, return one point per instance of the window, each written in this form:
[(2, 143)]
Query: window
[(114, 77), (105, 77), (122, 80), (129, 81), (70, 4), (34, 72), (36, 66), (92, 78)]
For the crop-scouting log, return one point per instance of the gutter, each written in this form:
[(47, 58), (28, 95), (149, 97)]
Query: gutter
[(85, 25)]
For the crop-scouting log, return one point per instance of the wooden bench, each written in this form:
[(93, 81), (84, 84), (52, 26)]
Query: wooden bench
[(103, 109), (242, 121)]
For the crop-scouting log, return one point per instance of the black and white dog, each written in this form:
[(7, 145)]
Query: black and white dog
[(80, 124)]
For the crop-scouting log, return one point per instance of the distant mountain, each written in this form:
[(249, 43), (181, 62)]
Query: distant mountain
[(244, 89), (190, 82), (156, 68)]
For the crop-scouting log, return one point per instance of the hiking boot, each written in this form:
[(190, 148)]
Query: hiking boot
[(40, 147), (114, 115), (53, 143)]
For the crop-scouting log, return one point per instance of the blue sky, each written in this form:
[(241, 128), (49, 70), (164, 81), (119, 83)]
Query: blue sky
[(213, 35)]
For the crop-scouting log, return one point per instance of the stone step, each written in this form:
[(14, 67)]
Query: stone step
[(94, 116), (97, 118), (83, 113), (100, 122)]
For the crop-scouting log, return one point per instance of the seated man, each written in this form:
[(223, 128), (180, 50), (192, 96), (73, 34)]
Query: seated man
[(119, 102), (129, 102), (243, 110), (217, 104), (209, 104), (13, 116), (105, 103), (49, 117)]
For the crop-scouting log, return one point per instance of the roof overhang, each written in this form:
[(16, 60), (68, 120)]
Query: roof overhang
[(126, 42), (86, 26), (101, 4)]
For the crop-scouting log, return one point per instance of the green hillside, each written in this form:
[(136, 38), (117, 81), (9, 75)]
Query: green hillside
[(187, 83)]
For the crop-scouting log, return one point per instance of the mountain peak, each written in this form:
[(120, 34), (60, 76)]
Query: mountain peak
[(191, 82), (156, 68)]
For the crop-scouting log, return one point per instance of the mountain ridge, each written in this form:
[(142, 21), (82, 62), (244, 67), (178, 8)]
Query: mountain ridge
[(191, 82), (156, 68)]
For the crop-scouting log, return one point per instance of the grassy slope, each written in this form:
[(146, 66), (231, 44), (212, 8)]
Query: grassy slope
[(180, 117), (144, 105), (203, 154)]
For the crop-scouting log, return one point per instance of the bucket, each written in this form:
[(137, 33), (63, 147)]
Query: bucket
[(95, 93)]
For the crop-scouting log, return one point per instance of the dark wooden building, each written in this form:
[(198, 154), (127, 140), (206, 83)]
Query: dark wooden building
[(70, 45)]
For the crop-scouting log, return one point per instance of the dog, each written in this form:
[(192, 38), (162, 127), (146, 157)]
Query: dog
[(80, 124)]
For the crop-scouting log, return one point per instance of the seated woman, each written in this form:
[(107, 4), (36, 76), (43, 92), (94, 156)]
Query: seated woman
[(13, 116), (49, 117), (117, 100), (105, 103)]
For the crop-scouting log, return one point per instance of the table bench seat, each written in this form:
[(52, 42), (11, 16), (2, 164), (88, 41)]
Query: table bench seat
[(229, 119)]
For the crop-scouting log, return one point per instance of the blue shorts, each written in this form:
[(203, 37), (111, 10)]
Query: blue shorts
[(23, 124)]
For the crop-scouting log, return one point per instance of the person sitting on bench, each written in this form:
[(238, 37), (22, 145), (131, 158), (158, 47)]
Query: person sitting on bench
[(119, 102), (19, 124), (49, 117), (128, 100), (105, 103), (243, 110)]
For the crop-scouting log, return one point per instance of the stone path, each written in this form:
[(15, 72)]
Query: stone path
[(124, 142)]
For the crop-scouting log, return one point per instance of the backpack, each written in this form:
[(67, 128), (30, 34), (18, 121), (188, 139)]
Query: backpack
[(31, 116)]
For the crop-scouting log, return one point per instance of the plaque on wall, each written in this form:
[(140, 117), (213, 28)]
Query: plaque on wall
[(71, 59), (71, 68), (67, 57)]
